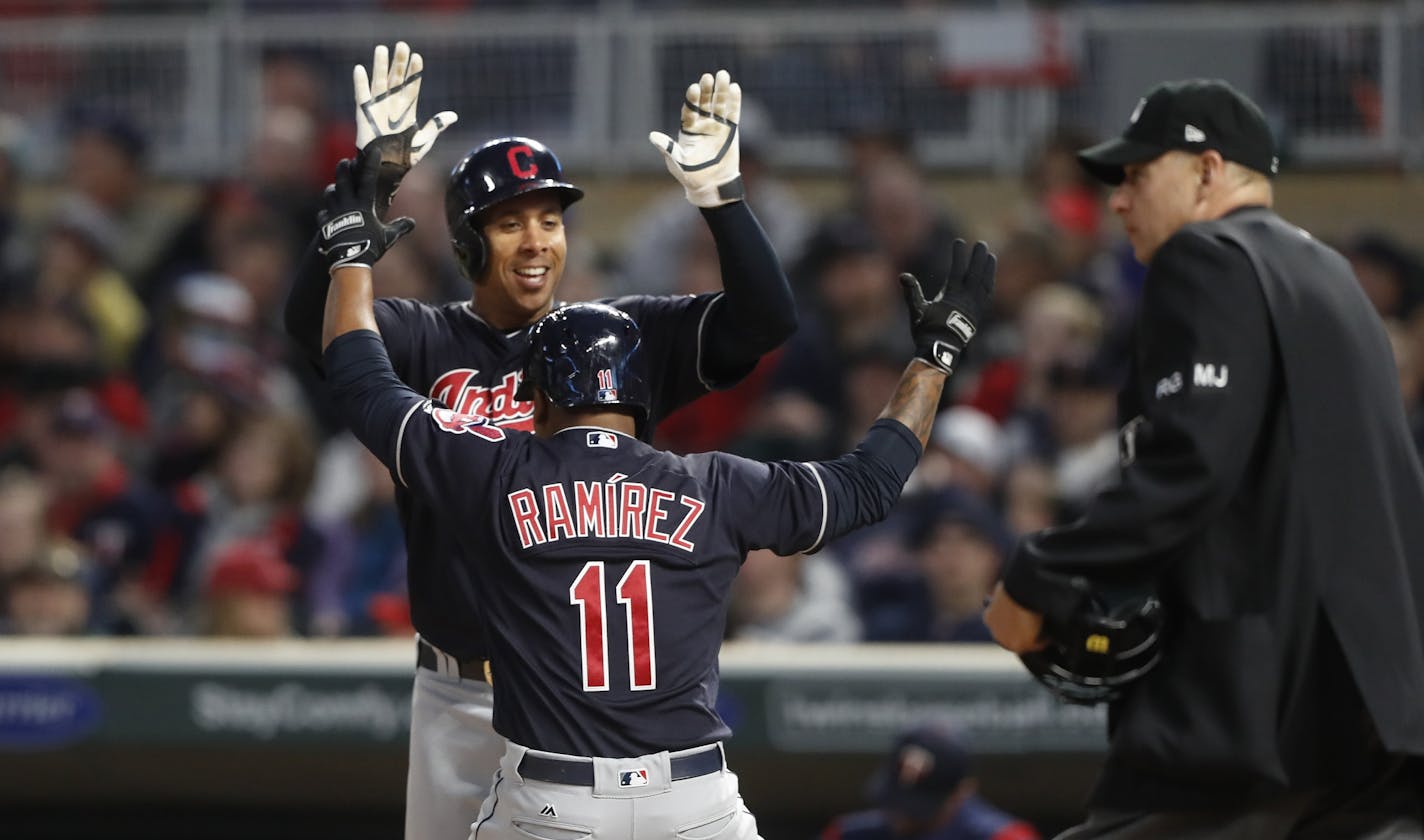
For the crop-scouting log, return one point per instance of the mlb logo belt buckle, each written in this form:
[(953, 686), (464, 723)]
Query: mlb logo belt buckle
[(633, 778)]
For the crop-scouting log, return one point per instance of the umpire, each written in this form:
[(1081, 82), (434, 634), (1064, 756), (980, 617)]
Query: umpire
[(1269, 494)]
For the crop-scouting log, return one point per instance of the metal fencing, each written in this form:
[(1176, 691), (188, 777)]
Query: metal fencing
[(975, 89)]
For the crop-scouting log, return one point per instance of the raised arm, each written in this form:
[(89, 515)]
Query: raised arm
[(390, 145), (861, 487), (757, 312)]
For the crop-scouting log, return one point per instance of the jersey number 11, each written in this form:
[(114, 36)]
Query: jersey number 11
[(635, 593)]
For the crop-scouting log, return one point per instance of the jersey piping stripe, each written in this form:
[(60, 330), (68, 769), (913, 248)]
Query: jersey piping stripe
[(701, 323), (400, 439), (825, 508), (494, 796)]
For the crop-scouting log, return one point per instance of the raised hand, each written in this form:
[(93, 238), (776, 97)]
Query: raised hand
[(706, 157), (944, 326), (385, 117), (350, 231)]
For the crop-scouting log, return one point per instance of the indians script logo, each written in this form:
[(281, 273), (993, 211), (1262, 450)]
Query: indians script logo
[(458, 389)]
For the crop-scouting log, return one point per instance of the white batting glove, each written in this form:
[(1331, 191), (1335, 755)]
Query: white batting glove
[(706, 158), (385, 115)]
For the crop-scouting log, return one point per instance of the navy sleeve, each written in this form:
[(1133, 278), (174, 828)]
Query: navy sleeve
[(306, 308), (672, 328), (793, 507), (306, 304), (398, 320), (432, 451), (1203, 375), (757, 313)]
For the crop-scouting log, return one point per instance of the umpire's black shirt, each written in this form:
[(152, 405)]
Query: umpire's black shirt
[(1270, 489)]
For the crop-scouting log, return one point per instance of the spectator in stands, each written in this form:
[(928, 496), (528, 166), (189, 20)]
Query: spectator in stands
[(890, 198), (49, 594), (926, 791), (248, 594), (107, 157), (98, 502), (76, 269), (1082, 419), (799, 598), (11, 134), (1055, 321), (22, 518), (365, 565), (45, 351), (1392, 277), (956, 545), (255, 490), (207, 366), (967, 452), (849, 309), (1030, 497)]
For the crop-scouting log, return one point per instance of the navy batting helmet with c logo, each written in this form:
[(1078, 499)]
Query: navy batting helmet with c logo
[(495, 172)]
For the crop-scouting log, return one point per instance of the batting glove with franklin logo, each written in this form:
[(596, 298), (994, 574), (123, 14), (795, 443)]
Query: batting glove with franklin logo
[(351, 233), (706, 159), (944, 326), (385, 117)]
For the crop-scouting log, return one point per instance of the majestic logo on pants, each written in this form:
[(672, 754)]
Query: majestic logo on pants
[(633, 778)]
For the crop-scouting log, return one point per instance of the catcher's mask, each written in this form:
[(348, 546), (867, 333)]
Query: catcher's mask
[(1103, 651), (587, 354), (493, 173)]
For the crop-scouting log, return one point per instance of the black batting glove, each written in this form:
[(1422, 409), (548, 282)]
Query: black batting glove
[(944, 326), (350, 231)]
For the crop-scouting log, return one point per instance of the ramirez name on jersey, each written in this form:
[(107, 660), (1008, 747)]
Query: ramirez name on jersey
[(611, 509)]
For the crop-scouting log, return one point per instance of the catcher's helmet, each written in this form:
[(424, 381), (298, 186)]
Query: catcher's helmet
[(497, 171), (587, 354), (1092, 660)]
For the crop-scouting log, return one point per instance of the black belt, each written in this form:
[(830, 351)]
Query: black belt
[(571, 771), (426, 656)]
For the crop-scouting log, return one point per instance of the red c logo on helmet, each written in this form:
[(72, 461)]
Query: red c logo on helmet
[(521, 161)]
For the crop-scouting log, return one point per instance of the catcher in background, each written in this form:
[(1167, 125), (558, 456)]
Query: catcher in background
[(1269, 497)]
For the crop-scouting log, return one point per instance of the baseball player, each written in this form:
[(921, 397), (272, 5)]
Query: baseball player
[(605, 564), (504, 206)]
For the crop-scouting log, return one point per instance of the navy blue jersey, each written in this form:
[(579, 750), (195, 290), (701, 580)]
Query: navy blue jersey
[(604, 565), (451, 355)]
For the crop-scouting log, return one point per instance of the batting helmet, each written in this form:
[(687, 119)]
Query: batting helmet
[(1101, 652), (497, 171), (587, 354)]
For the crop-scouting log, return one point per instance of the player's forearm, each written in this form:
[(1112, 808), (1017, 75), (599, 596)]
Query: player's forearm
[(916, 399), (862, 487), (367, 393), (758, 312), (303, 313), (348, 304)]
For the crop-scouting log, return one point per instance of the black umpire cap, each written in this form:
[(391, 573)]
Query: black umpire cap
[(1192, 115)]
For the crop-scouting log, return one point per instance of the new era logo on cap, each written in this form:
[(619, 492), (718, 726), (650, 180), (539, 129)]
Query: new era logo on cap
[(1194, 115)]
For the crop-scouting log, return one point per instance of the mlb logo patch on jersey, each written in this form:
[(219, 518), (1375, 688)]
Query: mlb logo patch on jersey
[(633, 778), (602, 440)]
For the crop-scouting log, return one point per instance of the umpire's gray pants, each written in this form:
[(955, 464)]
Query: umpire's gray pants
[(1389, 808), (699, 808)]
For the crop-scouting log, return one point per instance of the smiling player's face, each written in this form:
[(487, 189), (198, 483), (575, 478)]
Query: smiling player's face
[(526, 243)]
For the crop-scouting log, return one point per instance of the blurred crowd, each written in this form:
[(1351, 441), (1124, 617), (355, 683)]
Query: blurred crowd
[(169, 466)]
